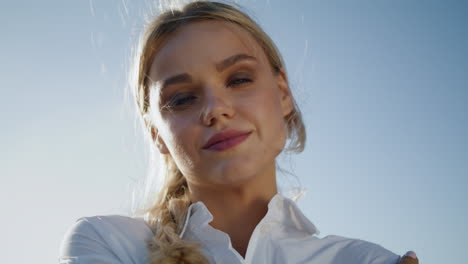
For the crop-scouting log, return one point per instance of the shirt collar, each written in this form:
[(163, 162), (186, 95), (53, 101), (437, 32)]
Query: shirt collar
[(281, 210)]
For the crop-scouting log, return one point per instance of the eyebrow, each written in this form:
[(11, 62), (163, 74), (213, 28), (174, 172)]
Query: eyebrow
[(221, 66), (179, 78), (226, 63)]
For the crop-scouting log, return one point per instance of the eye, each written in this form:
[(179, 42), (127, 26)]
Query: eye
[(237, 81), (180, 100)]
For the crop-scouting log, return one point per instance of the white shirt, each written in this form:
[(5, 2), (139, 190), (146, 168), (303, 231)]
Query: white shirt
[(284, 235)]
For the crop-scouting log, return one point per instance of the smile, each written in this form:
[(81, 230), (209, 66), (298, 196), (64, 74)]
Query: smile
[(228, 142)]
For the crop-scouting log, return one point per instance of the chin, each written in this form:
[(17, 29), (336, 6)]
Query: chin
[(236, 173)]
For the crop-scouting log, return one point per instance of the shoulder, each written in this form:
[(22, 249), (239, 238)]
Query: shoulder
[(121, 225), (350, 250), (106, 239)]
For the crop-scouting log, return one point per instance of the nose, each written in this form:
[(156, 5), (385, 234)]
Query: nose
[(217, 108)]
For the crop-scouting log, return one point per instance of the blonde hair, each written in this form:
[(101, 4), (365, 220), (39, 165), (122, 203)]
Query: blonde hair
[(168, 213)]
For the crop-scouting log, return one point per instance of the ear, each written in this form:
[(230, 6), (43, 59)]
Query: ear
[(158, 141), (285, 94)]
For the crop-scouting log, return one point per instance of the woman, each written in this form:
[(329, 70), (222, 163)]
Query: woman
[(213, 94)]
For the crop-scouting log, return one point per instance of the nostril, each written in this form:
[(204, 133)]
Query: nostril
[(217, 108)]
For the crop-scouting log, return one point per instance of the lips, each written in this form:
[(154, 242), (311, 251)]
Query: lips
[(226, 139)]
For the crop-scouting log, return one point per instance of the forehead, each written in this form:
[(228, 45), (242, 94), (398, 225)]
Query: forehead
[(200, 45)]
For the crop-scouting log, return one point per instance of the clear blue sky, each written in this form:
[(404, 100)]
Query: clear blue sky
[(383, 86)]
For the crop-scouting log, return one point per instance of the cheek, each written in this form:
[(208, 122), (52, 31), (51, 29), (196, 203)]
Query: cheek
[(264, 109), (176, 129), (262, 100), (181, 141), (267, 104), (277, 132)]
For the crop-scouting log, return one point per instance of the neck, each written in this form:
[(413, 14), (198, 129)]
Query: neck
[(237, 210)]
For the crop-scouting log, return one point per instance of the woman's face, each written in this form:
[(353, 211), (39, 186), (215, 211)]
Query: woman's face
[(217, 106)]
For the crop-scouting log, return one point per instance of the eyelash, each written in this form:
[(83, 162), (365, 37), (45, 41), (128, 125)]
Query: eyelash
[(234, 82), (179, 101)]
